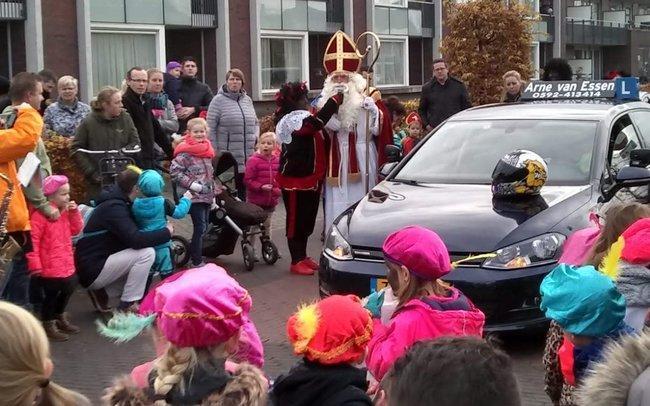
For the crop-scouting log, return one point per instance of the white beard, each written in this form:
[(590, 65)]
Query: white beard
[(349, 111)]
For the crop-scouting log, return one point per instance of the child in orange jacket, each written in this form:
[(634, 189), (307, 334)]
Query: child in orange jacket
[(52, 260)]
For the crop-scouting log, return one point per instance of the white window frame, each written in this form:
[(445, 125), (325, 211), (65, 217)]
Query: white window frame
[(404, 40), (535, 45), (158, 31), (277, 34), (387, 3)]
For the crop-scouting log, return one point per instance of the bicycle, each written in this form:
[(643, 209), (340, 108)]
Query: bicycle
[(112, 162)]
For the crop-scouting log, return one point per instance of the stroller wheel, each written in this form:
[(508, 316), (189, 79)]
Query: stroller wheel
[(249, 256), (180, 248), (269, 252)]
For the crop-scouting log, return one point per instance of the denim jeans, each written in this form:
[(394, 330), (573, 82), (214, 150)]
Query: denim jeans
[(16, 283), (200, 214)]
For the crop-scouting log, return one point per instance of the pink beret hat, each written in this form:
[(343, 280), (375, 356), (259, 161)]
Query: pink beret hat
[(52, 183), (420, 250), (203, 307), (636, 249)]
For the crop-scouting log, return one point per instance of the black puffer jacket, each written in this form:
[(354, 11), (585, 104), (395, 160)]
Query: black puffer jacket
[(193, 93), (439, 102), (111, 229), (312, 384)]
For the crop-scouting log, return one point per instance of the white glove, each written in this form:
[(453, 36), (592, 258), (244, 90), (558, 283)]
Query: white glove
[(369, 103), (176, 136), (196, 187), (188, 195), (334, 124), (214, 204)]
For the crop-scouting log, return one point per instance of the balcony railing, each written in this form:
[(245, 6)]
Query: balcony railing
[(593, 32), (12, 10), (204, 13)]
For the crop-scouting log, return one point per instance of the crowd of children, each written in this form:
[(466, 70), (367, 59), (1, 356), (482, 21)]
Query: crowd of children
[(416, 340), (396, 347)]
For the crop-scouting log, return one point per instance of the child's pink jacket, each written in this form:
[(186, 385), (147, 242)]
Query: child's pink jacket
[(52, 244), (261, 171), (416, 321)]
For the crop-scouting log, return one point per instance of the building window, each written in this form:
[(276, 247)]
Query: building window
[(392, 3), (117, 48), (283, 59), (301, 15), (391, 20), (420, 57), (389, 69)]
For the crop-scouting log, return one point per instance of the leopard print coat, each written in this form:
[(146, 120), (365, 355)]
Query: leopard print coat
[(560, 392)]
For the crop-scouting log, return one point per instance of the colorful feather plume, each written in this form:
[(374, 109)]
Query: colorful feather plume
[(124, 327), (307, 319), (609, 265)]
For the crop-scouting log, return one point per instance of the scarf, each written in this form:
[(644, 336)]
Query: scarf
[(157, 101), (199, 149)]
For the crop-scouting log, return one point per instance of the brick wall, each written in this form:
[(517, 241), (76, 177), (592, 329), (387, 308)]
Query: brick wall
[(60, 46), (359, 17), (240, 39)]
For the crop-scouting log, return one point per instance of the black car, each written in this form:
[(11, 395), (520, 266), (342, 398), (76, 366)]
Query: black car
[(444, 184)]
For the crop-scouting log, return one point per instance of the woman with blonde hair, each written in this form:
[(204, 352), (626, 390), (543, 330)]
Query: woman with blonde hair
[(25, 364), (107, 127), (512, 86)]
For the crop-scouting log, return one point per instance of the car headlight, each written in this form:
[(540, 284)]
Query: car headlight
[(336, 245), (542, 250)]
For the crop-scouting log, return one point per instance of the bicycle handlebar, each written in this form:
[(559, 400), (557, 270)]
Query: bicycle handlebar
[(112, 151)]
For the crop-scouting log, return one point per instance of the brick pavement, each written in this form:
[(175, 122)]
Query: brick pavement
[(88, 363)]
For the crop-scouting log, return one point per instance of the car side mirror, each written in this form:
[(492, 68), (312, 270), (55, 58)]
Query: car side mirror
[(633, 176), (392, 153), (386, 169), (640, 158), (629, 176)]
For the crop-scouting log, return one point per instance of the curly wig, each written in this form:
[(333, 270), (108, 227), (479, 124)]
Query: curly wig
[(288, 98)]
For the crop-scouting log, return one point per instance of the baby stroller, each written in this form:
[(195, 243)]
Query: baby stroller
[(230, 219)]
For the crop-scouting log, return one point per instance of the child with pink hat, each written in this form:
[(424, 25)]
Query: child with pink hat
[(427, 307), (51, 260), (201, 315), (249, 348)]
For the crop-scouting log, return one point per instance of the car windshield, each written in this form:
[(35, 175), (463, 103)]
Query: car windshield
[(466, 152)]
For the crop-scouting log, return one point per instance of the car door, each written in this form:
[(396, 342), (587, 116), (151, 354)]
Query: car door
[(641, 118), (624, 138)]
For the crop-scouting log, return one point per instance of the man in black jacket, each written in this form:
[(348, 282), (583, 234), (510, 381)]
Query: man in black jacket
[(112, 254), (148, 127), (442, 97), (195, 96)]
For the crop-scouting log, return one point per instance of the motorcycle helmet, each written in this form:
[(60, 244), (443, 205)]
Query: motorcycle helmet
[(519, 173)]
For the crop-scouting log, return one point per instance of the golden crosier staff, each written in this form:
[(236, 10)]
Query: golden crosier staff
[(369, 47)]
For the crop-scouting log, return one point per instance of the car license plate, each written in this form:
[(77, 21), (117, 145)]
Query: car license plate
[(377, 284)]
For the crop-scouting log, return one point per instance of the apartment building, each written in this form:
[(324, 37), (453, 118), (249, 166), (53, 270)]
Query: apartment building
[(274, 41), (597, 36)]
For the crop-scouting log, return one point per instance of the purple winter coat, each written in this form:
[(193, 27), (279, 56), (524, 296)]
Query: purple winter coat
[(260, 171)]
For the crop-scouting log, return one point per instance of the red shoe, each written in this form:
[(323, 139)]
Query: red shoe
[(310, 263), (301, 269)]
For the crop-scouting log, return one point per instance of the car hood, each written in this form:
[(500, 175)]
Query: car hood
[(467, 217)]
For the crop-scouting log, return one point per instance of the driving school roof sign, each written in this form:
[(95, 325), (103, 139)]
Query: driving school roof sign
[(621, 88)]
